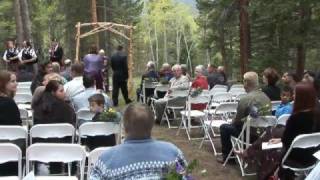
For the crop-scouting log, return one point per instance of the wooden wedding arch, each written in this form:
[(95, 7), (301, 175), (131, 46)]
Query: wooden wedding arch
[(109, 26)]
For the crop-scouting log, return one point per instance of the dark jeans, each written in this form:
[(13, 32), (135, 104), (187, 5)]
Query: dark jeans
[(226, 131), (116, 85)]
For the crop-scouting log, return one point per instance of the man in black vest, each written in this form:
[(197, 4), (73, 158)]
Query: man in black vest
[(119, 67), (56, 52)]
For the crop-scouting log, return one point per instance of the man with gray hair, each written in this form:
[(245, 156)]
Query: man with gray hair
[(139, 157), (178, 82), (255, 97)]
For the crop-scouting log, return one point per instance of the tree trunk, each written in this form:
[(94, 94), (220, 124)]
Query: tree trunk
[(157, 45), (26, 22), (165, 51), (244, 36), (19, 27), (94, 18), (223, 49)]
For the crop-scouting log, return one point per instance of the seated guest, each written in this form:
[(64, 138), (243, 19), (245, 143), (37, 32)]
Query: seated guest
[(222, 71), (66, 73), (289, 79), (81, 100), (51, 107), (255, 97), (97, 102), (178, 82), (75, 86), (303, 120), (199, 82), (56, 69), (286, 106), (213, 76), (308, 76), (150, 75), (185, 72), (40, 89), (139, 150), (23, 75), (166, 72), (45, 68), (9, 114), (270, 78)]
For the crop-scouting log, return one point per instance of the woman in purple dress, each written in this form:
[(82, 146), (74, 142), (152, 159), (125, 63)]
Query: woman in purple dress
[(93, 65)]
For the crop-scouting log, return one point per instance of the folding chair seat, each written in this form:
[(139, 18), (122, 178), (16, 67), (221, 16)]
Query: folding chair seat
[(10, 152), (189, 114), (221, 115), (99, 129), (303, 141), (176, 104), (242, 142), (93, 156), (56, 152), (49, 131), (22, 98)]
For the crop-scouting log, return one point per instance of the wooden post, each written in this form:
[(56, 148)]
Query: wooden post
[(130, 64), (78, 41), (244, 36)]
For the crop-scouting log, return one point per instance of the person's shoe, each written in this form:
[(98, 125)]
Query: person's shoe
[(128, 101), (220, 159)]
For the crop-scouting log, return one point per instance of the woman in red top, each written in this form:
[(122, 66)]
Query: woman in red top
[(200, 81)]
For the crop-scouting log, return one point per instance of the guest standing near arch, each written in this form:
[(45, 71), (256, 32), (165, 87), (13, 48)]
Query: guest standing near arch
[(56, 52), (120, 76), (10, 56), (28, 56)]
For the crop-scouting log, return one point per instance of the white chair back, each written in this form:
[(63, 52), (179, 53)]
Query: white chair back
[(85, 114), (274, 104), (13, 132), (11, 152), (237, 86), (218, 86), (22, 98), (263, 122), (303, 141), (282, 120), (55, 152), (214, 91), (221, 97), (179, 93), (94, 156), (28, 83), (237, 90), (226, 107), (160, 88), (23, 90), (239, 95), (45, 131), (98, 128)]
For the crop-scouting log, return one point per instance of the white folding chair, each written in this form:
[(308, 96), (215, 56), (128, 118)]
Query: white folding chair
[(23, 90), (241, 142), (236, 89), (220, 97), (303, 141), (237, 86), (146, 85), (282, 120), (220, 115), (94, 156), (239, 95), (10, 152), (45, 131), (220, 86), (275, 104), (159, 88), (11, 133), (99, 129), (173, 107), (22, 98), (28, 83), (189, 114), (84, 115), (56, 152), (217, 90)]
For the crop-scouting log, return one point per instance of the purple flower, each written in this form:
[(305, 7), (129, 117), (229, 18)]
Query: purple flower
[(179, 169)]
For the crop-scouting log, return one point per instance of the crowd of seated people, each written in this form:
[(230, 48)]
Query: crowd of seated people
[(56, 102)]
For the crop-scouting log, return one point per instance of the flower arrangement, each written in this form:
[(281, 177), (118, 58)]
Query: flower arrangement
[(262, 110), (109, 115), (196, 92), (178, 172)]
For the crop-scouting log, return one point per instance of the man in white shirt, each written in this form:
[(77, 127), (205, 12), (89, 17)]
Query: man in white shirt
[(80, 100), (75, 86), (178, 82)]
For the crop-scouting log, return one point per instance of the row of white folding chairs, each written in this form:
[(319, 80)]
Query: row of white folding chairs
[(23, 98), (61, 130), (50, 152)]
